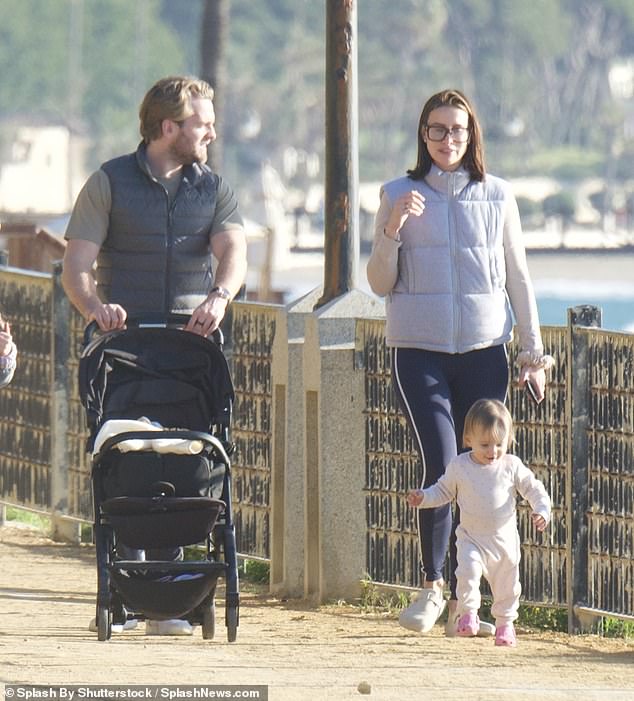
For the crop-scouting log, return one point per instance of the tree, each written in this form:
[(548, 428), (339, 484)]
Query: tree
[(560, 205), (535, 69), (135, 48), (276, 63), (87, 64), (402, 60)]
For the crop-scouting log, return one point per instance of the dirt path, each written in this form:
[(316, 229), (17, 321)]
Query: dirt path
[(47, 598)]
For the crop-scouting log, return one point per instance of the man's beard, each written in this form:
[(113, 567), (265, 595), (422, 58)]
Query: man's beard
[(185, 154)]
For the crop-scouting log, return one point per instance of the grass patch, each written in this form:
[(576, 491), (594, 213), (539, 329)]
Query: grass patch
[(194, 552), (86, 533), (29, 518), (42, 522), (616, 628), (255, 571), (543, 618), (376, 599)]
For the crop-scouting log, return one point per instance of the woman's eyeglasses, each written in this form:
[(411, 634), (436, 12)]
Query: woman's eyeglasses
[(439, 133)]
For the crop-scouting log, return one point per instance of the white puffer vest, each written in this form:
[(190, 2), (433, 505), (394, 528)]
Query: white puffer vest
[(450, 294)]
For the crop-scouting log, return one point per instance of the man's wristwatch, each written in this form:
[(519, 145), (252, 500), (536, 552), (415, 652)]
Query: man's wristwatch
[(222, 292)]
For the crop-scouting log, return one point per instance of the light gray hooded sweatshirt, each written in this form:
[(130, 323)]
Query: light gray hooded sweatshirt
[(458, 269)]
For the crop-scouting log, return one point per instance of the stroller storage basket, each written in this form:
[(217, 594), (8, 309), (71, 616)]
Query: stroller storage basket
[(162, 522), (164, 595)]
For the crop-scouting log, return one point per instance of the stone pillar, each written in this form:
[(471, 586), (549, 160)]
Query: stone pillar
[(312, 438), (62, 528), (323, 529), (288, 553), (279, 381), (578, 382), (334, 440)]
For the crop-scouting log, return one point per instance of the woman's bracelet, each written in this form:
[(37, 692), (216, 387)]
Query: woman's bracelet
[(534, 359)]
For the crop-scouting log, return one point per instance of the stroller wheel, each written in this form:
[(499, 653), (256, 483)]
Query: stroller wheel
[(232, 624), (209, 622), (104, 628)]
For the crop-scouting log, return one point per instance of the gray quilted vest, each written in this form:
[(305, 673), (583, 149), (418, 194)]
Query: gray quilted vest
[(156, 256)]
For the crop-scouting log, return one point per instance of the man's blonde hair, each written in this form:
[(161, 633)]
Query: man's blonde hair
[(491, 417), (170, 98)]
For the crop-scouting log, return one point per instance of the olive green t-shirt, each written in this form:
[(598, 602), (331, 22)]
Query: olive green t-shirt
[(90, 216)]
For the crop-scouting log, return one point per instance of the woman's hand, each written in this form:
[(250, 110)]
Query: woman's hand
[(410, 203), (537, 379), (415, 497)]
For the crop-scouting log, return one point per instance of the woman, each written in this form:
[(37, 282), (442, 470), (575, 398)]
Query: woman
[(448, 255)]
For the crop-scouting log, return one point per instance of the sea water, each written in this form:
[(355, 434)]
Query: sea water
[(616, 301)]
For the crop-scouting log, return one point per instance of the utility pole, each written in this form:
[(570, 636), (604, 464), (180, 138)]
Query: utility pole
[(213, 52), (341, 244), (75, 94)]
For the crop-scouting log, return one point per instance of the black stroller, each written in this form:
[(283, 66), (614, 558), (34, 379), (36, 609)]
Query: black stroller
[(165, 487)]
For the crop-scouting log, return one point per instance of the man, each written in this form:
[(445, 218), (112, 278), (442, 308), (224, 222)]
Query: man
[(150, 221)]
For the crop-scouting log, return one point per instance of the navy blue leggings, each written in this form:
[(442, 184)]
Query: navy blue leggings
[(435, 391)]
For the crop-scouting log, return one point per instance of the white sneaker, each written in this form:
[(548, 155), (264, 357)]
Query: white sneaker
[(485, 630), (173, 626), (421, 615), (116, 627)]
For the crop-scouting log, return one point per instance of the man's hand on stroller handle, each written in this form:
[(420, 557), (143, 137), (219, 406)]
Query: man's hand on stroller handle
[(108, 316), (206, 318)]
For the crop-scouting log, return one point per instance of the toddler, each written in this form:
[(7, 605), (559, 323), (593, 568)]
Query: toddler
[(485, 483)]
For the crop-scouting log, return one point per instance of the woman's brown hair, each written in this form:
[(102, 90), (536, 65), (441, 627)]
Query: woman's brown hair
[(473, 160)]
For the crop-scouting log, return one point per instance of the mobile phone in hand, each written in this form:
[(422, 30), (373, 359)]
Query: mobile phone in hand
[(531, 390)]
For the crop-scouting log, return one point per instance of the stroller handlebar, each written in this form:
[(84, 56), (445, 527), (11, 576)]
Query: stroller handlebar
[(149, 321)]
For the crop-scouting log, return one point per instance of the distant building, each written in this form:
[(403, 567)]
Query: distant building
[(40, 173), (621, 81), (31, 247)]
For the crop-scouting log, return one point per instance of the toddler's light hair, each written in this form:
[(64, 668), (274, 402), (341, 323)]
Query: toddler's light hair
[(491, 417)]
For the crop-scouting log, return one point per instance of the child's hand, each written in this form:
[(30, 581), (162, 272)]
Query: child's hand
[(6, 340), (539, 522), (415, 497)]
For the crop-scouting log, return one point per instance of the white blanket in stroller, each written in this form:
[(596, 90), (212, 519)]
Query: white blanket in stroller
[(114, 427)]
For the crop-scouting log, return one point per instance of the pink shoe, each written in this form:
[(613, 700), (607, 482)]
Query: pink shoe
[(468, 625), (505, 635)]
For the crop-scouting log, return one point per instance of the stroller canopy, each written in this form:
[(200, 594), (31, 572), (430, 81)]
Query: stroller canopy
[(170, 376)]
